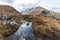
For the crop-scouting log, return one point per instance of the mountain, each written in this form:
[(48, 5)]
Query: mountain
[(8, 10), (42, 11), (34, 11), (45, 23)]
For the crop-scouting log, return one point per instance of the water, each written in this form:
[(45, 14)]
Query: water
[(23, 33)]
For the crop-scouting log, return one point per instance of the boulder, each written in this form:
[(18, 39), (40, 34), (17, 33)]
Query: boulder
[(46, 13)]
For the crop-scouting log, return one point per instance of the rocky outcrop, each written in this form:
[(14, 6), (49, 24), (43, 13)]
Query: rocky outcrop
[(46, 13)]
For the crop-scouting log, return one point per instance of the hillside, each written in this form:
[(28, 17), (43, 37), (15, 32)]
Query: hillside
[(44, 28), (8, 13), (42, 11), (45, 23), (35, 11)]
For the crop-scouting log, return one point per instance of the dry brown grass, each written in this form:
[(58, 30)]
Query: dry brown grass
[(45, 25)]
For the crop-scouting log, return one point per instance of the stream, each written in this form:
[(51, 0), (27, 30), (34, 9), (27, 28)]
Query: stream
[(23, 33)]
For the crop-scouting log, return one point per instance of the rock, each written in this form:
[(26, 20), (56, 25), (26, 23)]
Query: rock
[(45, 13), (57, 17)]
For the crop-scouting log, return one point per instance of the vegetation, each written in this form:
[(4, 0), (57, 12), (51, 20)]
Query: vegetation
[(48, 26)]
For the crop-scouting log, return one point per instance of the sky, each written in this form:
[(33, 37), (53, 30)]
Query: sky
[(22, 5)]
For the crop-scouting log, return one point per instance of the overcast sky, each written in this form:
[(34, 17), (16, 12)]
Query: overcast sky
[(22, 5)]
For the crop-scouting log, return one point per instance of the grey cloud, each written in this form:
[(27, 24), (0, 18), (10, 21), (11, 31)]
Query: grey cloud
[(7, 1)]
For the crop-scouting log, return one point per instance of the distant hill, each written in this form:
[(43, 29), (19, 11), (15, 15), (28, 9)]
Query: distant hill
[(33, 11), (8, 10), (38, 10), (42, 11)]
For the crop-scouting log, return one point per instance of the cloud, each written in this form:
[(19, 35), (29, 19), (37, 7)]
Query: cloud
[(53, 5), (3, 3), (22, 5), (25, 2), (7, 1)]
